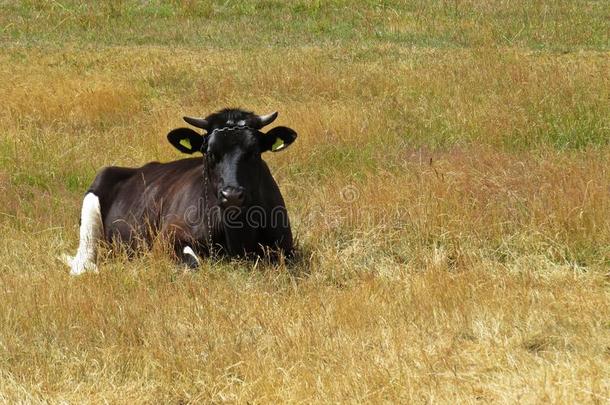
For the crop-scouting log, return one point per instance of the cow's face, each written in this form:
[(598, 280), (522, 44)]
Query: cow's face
[(232, 148)]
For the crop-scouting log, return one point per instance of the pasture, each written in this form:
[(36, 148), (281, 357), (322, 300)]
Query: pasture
[(449, 192)]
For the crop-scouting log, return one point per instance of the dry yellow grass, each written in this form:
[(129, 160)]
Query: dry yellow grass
[(451, 205)]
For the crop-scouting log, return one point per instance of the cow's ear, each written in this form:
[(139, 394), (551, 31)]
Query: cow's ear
[(279, 138), (186, 140)]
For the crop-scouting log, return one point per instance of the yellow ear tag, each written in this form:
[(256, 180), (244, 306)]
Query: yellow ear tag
[(279, 144), (186, 143)]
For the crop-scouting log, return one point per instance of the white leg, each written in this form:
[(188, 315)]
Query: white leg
[(91, 229), (189, 251)]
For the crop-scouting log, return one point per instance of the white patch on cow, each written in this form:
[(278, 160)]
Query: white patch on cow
[(91, 229), (229, 122), (189, 251), (241, 123)]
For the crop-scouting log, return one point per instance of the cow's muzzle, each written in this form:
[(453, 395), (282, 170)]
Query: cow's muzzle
[(232, 196)]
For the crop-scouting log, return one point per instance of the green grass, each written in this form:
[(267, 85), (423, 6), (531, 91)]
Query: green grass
[(555, 26)]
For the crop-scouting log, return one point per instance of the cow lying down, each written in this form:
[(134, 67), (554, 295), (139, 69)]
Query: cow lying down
[(225, 202)]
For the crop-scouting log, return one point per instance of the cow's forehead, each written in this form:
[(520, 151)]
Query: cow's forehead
[(230, 139), (230, 117)]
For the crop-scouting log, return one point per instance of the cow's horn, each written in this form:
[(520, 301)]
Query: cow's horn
[(197, 122), (267, 119)]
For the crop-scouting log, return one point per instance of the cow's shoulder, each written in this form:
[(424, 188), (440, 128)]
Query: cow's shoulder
[(182, 165), (164, 175)]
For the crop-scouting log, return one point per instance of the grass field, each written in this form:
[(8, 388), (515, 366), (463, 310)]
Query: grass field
[(449, 190)]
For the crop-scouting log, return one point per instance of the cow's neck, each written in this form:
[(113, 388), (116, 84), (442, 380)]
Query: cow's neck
[(234, 234), (240, 240)]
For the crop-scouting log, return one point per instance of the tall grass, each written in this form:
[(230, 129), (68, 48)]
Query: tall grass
[(449, 191)]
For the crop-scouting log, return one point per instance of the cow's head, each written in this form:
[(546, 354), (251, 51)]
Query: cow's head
[(232, 148)]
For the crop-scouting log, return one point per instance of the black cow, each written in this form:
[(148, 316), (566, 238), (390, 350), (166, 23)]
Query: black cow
[(225, 202)]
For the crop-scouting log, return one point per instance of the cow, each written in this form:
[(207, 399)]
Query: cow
[(225, 202)]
